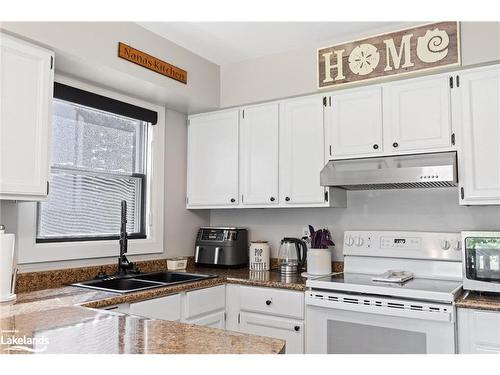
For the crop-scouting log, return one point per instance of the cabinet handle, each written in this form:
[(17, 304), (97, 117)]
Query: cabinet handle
[(268, 302), (272, 199), (48, 187), (296, 328), (375, 147), (395, 144), (287, 199), (233, 200)]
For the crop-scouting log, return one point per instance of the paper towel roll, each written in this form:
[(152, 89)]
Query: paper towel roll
[(6, 266)]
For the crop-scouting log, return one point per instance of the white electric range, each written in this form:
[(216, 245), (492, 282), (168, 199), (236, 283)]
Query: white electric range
[(350, 313)]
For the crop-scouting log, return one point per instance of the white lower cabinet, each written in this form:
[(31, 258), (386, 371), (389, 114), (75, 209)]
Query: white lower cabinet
[(267, 312), (205, 307), (290, 330), (166, 308), (478, 331), (259, 311), (213, 320)]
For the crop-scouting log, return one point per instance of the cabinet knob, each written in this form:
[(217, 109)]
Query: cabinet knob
[(395, 144), (233, 200), (296, 328), (271, 199), (375, 147), (268, 302), (287, 199)]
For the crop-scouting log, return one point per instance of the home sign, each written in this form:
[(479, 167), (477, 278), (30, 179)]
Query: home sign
[(416, 49)]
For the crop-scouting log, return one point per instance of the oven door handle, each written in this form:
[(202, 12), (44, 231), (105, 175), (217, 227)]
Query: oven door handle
[(325, 303)]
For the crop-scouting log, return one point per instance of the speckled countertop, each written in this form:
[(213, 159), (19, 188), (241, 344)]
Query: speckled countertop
[(474, 300), (68, 318)]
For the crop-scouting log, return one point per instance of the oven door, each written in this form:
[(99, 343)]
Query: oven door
[(482, 263), (364, 324)]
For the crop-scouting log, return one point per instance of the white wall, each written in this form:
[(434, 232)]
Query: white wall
[(181, 225), (418, 210), (295, 72), (89, 51)]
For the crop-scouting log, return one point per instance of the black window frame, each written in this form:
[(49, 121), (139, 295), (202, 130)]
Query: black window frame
[(102, 103)]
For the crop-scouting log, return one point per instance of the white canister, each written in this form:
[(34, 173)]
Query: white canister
[(6, 265), (260, 256), (319, 261)]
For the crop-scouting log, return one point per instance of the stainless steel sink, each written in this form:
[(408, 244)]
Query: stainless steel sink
[(134, 283)]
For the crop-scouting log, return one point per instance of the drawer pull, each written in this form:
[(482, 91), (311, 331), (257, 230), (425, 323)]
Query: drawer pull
[(268, 302), (296, 328)]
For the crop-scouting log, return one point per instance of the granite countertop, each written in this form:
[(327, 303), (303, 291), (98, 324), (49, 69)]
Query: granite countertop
[(68, 315), (79, 330), (243, 276), (474, 300)]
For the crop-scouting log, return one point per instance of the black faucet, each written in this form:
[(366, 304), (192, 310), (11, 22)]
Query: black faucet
[(124, 266)]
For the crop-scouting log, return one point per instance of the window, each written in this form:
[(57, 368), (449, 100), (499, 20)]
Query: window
[(99, 158), (90, 190)]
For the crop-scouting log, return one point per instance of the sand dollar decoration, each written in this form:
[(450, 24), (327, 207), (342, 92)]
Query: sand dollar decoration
[(364, 59), (433, 46)]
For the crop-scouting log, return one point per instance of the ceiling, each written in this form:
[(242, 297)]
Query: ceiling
[(228, 42)]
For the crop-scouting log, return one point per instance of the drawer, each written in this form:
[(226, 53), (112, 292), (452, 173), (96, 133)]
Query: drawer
[(203, 301), (166, 308), (290, 330), (272, 301)]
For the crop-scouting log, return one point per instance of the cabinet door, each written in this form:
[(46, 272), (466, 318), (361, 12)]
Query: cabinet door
[(204, 301), (354, 123), (213, 159), (26, 86), (166, 308), (213, 320), (417, 114), (479, 138), (301, 151), (478, 331), (292, 331), (259, 155)]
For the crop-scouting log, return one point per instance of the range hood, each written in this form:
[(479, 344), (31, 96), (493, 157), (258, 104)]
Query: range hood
[(392, 172)]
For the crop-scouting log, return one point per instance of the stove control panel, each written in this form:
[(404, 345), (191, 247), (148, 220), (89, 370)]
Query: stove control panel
[(419, 245)]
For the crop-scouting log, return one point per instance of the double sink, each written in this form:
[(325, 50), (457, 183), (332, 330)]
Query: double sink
[(135, 283)]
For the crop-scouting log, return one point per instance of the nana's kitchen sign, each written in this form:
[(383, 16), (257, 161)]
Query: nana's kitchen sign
[(420, 48)]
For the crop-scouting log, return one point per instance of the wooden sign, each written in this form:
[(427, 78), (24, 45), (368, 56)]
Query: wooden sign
[(417, 49), (152, 63)]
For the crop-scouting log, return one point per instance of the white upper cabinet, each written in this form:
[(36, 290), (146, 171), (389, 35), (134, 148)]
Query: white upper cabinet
[(301, 151), (213, 159), (259, 151), (354, 123), (417, 114), (478, 110), (26, 87)]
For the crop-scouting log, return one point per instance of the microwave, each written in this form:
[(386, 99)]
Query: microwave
[(481, 261)]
